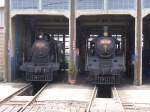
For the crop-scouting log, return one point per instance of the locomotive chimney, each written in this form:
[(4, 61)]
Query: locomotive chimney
[(105, 31)]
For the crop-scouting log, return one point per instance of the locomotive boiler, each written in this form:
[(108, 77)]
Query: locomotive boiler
[(105, 61), (45, 59)]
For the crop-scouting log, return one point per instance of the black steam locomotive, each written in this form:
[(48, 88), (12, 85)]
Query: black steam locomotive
[(46, 58), (105, 61)]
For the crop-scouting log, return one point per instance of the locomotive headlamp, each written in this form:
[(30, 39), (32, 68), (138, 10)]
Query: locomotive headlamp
[(40, 45), (105, 41), (40, 36)]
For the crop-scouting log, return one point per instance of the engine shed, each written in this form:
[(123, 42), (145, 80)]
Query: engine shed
[(56, 26), (26, 18)]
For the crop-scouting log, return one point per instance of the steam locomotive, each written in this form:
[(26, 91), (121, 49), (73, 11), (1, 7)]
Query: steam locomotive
[(46, 58), (105, 61)]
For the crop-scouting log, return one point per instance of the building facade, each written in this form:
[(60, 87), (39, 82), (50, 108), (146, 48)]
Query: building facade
[(24, 11)]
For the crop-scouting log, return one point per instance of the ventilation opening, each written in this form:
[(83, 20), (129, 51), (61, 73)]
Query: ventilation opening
[(104, 91)]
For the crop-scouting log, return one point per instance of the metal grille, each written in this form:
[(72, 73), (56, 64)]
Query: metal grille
[(90, 4), (55, 4), (121, 4), (107, 79), (24, 4), (43, 77), (146, 3)]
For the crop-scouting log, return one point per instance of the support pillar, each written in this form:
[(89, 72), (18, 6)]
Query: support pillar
[(6, 20), (138, 46), (72, 34)]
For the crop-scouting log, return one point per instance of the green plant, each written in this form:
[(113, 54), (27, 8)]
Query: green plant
[(72, 71)]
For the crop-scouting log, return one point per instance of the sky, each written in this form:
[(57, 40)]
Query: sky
[(1, 3)]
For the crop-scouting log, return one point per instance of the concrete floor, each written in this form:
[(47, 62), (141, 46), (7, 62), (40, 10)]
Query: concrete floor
[(135, 98), (7, 89), (65, 92)]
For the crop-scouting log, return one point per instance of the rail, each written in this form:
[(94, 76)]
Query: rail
[(33, 99), (118, 98), (94, 93), (15, 94)]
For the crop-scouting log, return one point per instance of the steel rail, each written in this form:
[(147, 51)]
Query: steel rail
[(92, 98), (15, 94), (118, 98), (33, 99)]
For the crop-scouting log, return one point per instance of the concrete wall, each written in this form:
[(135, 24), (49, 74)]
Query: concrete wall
[(1, 43)]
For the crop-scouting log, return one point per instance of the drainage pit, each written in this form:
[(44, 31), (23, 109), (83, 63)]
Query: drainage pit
[(27, 92), (36, 86), (104, 91)]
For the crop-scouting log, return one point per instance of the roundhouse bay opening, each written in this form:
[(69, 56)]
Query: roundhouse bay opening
[(120, 27), (25, 30), (146, 50)]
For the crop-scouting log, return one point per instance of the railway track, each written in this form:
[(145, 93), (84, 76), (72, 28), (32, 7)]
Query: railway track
[(33, 99), (15, 94), (32, 104), (118, 99), (104, 102), (92, 99), (16, 103), (66, 105), (131, 106)]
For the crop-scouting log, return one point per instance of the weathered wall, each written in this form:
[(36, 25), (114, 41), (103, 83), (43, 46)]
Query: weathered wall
[(1, 43)]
